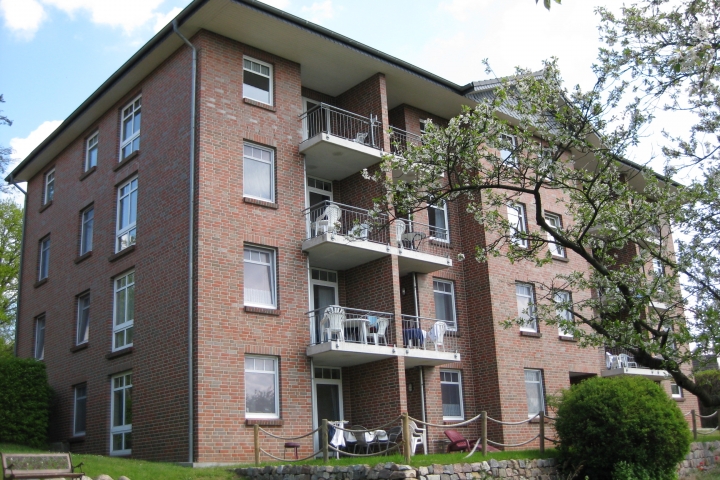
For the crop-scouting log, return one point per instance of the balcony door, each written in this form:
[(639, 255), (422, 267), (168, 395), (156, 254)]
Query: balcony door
[(318, 191), (328, 404), (324, 293)]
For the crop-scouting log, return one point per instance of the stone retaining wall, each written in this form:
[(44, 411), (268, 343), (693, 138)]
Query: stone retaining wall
[(701, 457)]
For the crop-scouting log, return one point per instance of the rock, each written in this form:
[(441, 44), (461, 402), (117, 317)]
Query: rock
[(85, 477), (423, 471), (104, 477), (494, 463), (123, 477)]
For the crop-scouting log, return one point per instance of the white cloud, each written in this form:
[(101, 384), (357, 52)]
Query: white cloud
[(23, 146), (162, 20), (464, 10), (281, 4), (22, 17), (319, 11)]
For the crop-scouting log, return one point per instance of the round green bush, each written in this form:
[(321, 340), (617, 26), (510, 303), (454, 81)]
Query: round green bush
[(631, 421)]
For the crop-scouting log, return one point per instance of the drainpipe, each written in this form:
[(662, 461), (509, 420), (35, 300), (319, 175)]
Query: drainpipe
[(422, 374), (191, 244), (22, 255)]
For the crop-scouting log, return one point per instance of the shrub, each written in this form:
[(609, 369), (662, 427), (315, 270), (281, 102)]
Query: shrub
[(24, 402), (623, 427)]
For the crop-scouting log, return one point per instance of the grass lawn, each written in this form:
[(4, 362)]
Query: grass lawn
[(142, 470)]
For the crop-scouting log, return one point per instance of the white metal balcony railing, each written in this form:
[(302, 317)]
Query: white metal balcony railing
[(400, 139), (422, 238), (331, 120), (429, 334), (353, 325)]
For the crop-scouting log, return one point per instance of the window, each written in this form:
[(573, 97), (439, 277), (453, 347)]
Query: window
[(261, 387), (525, 295), (121, 407), (438, 218), (86, 230), (423, 126), (40, 337), (445, 302), (83, 319), (562, 311), (80, 413), (127, 214), (44, 261), (676, 391), (130, 135), (518, 224), (260, 277), (258, 173), (658, 267), (534, 391), (49, 187), (257, 81), (555, 223), (91, 150), (508, 144), (124, 314), (451, 389)]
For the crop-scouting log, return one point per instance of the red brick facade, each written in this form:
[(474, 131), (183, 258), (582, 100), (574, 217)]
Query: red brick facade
[(225, 331)]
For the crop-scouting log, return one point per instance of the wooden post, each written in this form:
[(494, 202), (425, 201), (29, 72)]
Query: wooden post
[(325, 440), (542, 432), (694, 424), (256, 435), (483, 432), (406, 437)]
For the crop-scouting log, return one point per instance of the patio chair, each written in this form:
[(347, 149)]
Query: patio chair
[(360, 137), (400, 227), (458, 443), (436, 334), (365, 439), (393, 434), (381, 325), (417, 437), (626, 360), (350, 440), (611, 361), (333, 322), (329, 221)]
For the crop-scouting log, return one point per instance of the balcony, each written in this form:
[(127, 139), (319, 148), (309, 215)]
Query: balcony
[(619, 361), (399, 141), (428, 341), (340, 237), (344, 337), (337, 143)]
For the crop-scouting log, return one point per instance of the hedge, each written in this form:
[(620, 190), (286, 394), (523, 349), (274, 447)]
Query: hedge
[(24, 402)]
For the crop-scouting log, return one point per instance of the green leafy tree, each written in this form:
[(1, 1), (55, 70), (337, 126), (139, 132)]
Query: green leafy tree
[(11, 218), (5, 152)]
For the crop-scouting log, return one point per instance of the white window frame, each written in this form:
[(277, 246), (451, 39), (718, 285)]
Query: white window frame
[(130, 111), (83, 316), (91, 146), (39, 353), (451, 324), (460, 389), (507, 156), (679, 393), (86, 230), (246, 157), (126, 327), (269, 76), (125, 428), (563, 296), (273, 276), (49, 184), (44, 258), (658, 268), (540, 386), (276, 375), (126, 234), (555, 221), (517, 215), (532, 324), (437, 209), (79, 396)]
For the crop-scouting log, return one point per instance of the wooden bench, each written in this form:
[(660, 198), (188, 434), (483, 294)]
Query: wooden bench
[(38, 465)]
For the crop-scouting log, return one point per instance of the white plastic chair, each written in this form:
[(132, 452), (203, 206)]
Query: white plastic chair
[(437, 334), (624, 360), (360, 137), (334, 321), (400, 227), (611, 361), (417, 437), (381, 325), (329, 221)]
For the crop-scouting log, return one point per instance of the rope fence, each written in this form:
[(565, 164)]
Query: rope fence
[(695, 416)]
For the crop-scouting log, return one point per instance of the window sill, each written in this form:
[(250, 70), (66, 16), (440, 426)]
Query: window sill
[(679, 399), (127, 160), (120, 353), (560, 259), (265, 422), (265, 311), (121, 253), (262, 203), (452, 422), (45, 207), (87, 173), (537, 419), (255, 103), (82, 257), (77, 348), (566, 338), (40, 283), (530, 334)]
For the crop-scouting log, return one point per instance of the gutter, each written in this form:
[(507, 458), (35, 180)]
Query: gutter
[(191, 246), (20, 267)]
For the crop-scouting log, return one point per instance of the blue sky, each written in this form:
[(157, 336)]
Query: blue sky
[(55, 53)]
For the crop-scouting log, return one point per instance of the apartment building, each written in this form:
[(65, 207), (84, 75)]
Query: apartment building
[(199, 255)]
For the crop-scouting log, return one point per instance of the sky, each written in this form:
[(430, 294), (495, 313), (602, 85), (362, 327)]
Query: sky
[(55, 53)]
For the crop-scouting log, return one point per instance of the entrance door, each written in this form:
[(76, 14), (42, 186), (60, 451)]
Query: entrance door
[(324, 294), (328, 397)]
